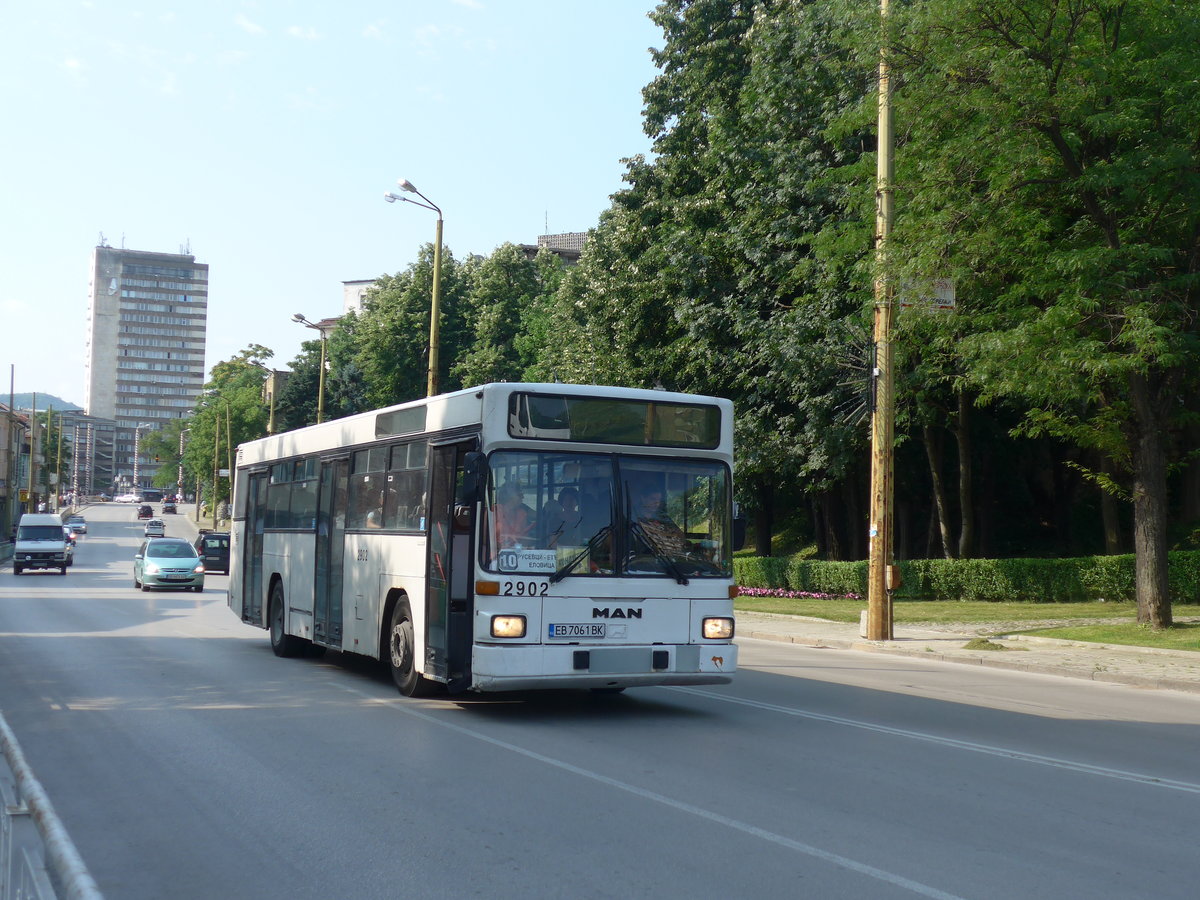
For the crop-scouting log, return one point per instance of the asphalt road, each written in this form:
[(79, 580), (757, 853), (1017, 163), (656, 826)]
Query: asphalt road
[(187, 761)]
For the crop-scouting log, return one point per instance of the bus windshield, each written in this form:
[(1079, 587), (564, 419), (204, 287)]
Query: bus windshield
[(580, 514)]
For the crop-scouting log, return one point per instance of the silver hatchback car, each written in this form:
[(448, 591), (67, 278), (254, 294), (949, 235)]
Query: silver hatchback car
[(168, 563)]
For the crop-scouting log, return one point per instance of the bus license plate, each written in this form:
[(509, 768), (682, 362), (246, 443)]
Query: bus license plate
[(576, 630)]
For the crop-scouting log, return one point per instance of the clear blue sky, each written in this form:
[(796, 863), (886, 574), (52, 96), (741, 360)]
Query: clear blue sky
[(264, 134)]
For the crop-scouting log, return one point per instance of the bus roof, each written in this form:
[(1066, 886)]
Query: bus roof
[(459, 409)]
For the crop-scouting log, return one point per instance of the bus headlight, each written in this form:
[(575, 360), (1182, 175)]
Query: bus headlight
[(508, 626), (718, 628)]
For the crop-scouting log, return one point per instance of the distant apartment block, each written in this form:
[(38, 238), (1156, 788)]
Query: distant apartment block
[(567, 246), (144, 363)]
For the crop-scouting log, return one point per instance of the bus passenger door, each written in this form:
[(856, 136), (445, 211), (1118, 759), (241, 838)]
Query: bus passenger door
[(252, 562), (448, 601), (331, 529)]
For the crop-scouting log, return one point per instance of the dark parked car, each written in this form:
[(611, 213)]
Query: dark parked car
[(145, 511), (213, 547), (168, 507)]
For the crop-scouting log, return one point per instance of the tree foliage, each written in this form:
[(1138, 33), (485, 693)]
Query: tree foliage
[(1047, 163), (1050, 165)]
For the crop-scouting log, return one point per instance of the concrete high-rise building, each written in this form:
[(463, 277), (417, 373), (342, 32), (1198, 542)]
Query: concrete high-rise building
[(148, 315)]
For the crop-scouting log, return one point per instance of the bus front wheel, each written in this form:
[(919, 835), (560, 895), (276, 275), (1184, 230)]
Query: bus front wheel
[(402, 652), (282, 643)]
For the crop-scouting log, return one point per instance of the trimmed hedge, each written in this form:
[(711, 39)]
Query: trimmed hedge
[(1033, 580)]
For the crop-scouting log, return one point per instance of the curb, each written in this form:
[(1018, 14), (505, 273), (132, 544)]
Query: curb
[(994, 660)]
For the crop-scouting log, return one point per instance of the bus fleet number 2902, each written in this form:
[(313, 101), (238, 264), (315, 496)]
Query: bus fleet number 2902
[(525, 588)]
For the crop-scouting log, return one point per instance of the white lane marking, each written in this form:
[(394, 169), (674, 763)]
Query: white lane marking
[(746, 828), (1087, 768)]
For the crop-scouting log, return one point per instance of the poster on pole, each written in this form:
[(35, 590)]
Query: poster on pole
[(936, 293)]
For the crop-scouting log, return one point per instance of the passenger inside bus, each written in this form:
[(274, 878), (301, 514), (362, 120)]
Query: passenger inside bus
[(559, 521), (512, 520), (595, 516)]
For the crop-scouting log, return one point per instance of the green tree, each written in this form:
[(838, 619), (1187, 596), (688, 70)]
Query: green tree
[(717, 270), (392, 334), (1050, 166), (55, 452), (296, 405), (162, 445), (501, 295), (229, 411)]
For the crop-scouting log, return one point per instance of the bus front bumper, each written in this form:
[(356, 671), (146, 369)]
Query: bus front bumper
[(519, 667)]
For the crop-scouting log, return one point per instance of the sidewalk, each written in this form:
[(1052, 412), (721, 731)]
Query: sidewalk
[(1140, 666)]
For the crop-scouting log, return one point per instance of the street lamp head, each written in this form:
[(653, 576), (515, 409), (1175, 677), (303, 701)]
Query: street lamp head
[(406, 185), (391, 197), (299, 317)]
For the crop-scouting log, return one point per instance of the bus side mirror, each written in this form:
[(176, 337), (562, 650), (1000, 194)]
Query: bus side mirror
[(739, 528), (474, 475)]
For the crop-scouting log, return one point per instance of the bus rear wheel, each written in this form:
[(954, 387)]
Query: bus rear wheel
[(402, 653), (282, 644)]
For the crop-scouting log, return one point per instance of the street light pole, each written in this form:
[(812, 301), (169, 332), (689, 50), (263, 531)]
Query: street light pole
[(137, 452), (216, 462), (272, 388), (431, 381), (32, 507), (58, 463), (299, 317), (179, 479), (880, 569)]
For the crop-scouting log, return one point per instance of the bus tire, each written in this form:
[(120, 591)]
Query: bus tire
[(401, 652), (282, 644)]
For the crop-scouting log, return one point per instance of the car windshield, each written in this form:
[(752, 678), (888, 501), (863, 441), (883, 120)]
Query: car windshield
[(562, 514), (39, 533), (76, 520), (171, 550)]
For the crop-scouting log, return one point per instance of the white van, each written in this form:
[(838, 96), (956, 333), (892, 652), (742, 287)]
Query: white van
[(40, 543)]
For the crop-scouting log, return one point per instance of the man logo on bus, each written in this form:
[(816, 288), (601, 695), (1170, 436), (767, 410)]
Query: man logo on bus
[(618, 613)]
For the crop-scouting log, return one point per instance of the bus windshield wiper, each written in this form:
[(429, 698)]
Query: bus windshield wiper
[(668, 563), (566, 568)]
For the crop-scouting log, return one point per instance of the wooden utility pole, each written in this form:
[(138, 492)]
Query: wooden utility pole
[(879, 600)]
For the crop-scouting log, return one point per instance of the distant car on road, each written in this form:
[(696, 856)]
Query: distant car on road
[(77, 524), (145, 511), (168, 563), (156, 528), (213, 547), (70, 539), (168, 507)]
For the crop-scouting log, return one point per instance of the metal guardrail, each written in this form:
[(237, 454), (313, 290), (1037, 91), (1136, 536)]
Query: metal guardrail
[(37, 859)]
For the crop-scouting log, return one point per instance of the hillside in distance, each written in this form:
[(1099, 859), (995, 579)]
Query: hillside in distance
[(44, 402)]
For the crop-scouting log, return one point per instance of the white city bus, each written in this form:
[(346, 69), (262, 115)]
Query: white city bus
[(504, 537)]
